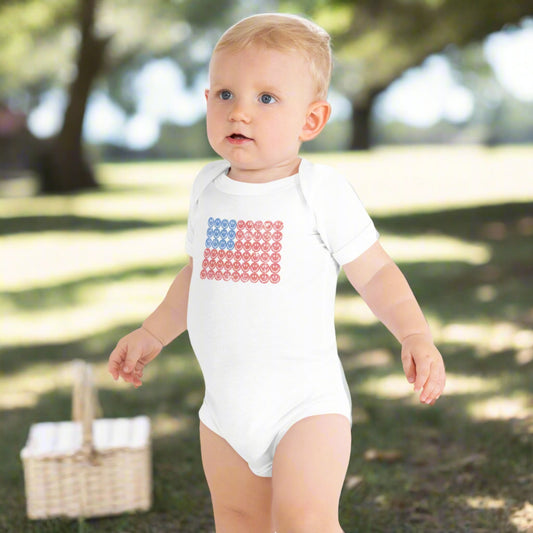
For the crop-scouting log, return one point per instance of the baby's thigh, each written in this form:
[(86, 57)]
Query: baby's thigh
[(242, 501), (308, 472)]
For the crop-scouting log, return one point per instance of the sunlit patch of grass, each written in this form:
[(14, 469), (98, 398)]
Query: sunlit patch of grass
[(395, 385), (501, 408), (56, 257), (487, 338)]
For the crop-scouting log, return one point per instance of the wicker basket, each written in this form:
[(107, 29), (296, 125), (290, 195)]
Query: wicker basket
[(87, 467)]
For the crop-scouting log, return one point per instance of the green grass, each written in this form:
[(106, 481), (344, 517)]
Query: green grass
[(79, 272)]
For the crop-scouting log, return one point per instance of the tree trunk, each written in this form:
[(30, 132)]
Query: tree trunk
[(361, 138), (65, 168)]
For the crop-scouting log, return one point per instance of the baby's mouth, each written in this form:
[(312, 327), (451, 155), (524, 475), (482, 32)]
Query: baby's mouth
[(238, 136)]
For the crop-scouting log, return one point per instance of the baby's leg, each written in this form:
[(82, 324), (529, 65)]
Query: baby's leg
[(308, 472), (242, 501)]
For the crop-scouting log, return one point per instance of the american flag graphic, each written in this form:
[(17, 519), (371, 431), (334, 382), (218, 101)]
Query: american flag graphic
[(242, 250)]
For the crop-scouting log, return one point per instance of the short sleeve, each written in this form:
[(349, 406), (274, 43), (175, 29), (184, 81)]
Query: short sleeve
[(342, 221)]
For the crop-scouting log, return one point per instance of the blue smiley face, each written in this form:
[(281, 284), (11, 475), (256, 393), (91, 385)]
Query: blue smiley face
[(231, 234), (232, 224), (225, 224), (230, 245), (218, 222), (224, 233), (222, 244), (209, 243), (211, 221), (210, 232)]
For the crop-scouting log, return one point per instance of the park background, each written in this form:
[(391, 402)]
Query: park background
[(101, 134)]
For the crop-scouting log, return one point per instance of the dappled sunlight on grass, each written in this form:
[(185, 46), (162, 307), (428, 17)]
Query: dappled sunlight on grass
[(501, 408), (487, 338), (435, 248), (395, 385), (59, 257), (93, 308)]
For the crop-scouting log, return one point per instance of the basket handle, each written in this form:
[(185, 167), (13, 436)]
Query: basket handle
[(85, 405)]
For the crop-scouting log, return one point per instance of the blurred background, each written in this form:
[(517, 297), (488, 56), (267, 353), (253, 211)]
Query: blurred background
[(101, 134)]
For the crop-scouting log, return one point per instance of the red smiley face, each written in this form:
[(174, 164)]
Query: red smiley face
[(263, 278), (205, 263), (277, 236), (245, 277), (258, 225), (278, 225), (238, 245), (264, 268), (246, 267), (247, 245), (246, 256), (254, 267), (218, 275), (203, 274), (229, 255), (267, 236), (228, 265), (276, 247), (212, 264), (221, 254), (207, 253), (210, 274), (274, 278), (220, 264), (256, 247), (276, 258), (226, 276), (241, 224), (249, 225), (265, 246), (265, 257), (268, 225), (254, 278), (275, 268), (235, 276)]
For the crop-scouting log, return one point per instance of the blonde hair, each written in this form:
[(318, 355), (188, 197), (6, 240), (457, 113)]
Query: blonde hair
[(285, 33)]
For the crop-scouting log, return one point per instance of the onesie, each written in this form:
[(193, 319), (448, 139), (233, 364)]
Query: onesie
[(266, 257)]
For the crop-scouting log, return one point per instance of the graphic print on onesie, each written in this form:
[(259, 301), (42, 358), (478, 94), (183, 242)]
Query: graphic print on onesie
[(242, 250)]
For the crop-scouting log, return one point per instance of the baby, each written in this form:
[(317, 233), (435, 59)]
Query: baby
[(267, 235)]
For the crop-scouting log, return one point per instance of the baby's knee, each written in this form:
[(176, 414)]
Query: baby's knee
[(305, 519)]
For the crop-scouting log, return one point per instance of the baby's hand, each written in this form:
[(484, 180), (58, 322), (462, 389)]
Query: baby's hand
[(131, 354), (423, 366)]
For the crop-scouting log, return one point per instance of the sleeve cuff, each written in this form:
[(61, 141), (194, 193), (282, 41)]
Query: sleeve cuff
[(357, 246)]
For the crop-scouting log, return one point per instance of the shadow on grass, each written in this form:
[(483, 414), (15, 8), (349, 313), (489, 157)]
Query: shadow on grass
[(455, 472), (67, 223)]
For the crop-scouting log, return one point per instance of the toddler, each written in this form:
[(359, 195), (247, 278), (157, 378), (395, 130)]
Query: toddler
[(267, 234)]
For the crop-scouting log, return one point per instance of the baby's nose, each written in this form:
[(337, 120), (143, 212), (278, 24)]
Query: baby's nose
[(240, 112)]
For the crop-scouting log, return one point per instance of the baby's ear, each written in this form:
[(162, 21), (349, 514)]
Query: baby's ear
[(206, 94), (317, 116)]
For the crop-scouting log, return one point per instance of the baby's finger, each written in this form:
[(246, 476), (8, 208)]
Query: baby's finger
[(115, 361), (408, 366), (423, 369)]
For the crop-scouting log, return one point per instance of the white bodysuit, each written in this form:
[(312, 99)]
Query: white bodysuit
[(266, 258)]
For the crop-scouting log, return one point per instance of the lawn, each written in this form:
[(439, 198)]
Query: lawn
[(78, 272)]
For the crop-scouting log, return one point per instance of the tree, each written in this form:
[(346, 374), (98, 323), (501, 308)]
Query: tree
[(108, 37), (375, 41)]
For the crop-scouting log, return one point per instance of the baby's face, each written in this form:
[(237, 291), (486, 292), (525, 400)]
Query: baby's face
[(257, 107)]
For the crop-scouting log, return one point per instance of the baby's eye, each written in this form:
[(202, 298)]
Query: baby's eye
[(267, 99), (225, 94)]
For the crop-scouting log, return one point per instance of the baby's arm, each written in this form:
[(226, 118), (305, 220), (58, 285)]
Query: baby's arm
[(384, 288), (166, 323)]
